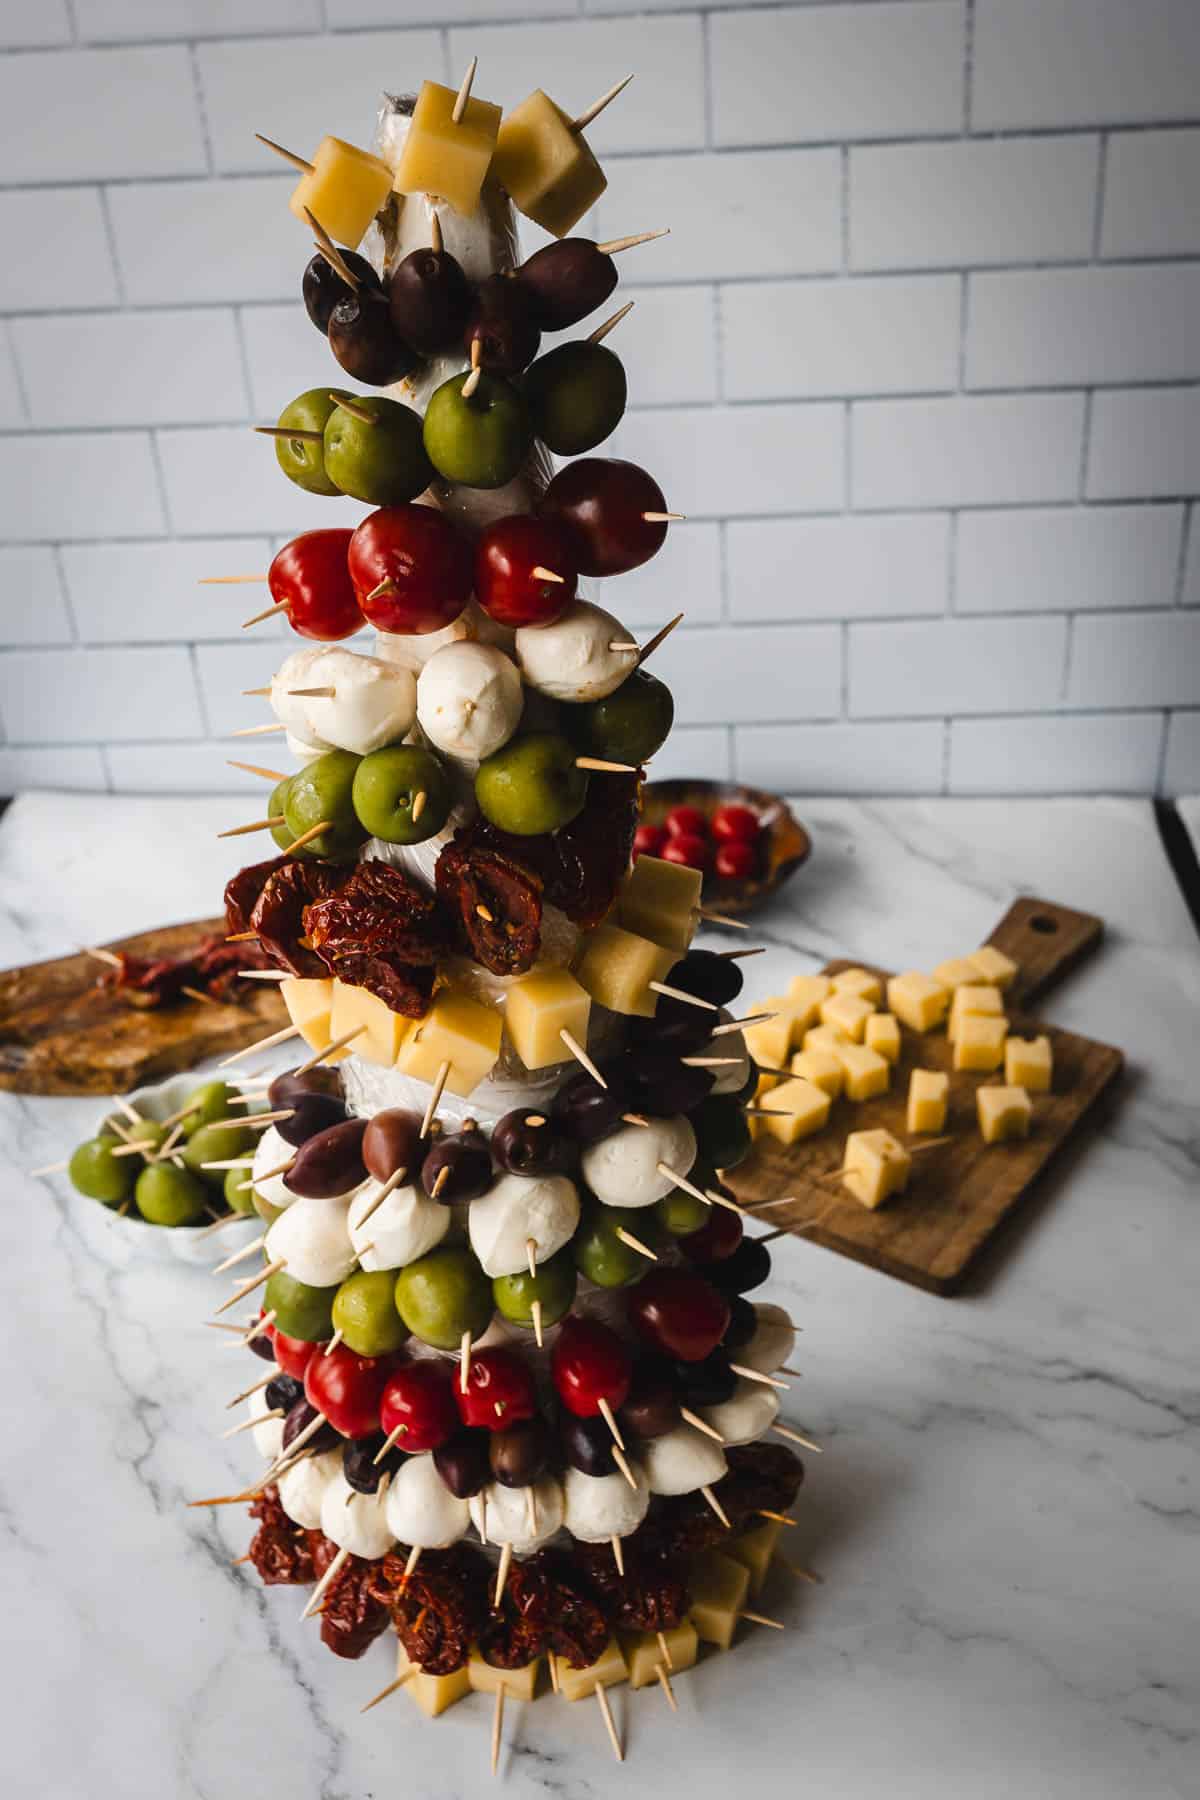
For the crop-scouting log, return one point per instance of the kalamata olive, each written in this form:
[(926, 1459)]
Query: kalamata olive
[(709, 1382), (359, 1467), (526, 1142), (676, 1026), (565, 281), (311, 1113), (586, 1111), (711, 977), (366, 343), (286, 1088), (322, 287), (299, 1418), (652, 1405), (587, 1444), (330, 1163), (284, 1391), (462, 1461), (458, 1167), (263, 1345), (718, 1237), (502, 325), (519, 1455), (743, 1323), (747, 1268), (392, 1141), (660, 1085), (430, 300)]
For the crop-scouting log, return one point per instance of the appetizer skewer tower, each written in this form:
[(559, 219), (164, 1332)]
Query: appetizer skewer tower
[(502, 1282)]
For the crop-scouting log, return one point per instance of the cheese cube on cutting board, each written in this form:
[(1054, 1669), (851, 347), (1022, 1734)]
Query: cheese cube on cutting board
[(822, 1068), (1003, 1112), (977, 1000), (754, 1550), (607, 1670), (993, 966), (806, 993), (343, 190), (802, 1108), (719, 1589), (876, 1166), (381, 1031), (518, 1684), (882, 1034), (956, 972), (658, 900), (457, 1030), (540, 1007), (979, 1043), (849, 1012), (864, 1072), (310, 1008), (1028, 1063), (434, 1693), (917, 1000), (545, 167), (825, 1037), (444, 158), (643, 1653), (928, 1099), (617, 966), (861, 983)]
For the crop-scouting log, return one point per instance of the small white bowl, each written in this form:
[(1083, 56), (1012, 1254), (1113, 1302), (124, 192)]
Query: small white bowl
[(123, 1240)]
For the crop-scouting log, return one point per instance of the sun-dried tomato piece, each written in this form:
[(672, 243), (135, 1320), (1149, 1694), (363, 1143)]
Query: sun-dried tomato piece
[(242, 891), (281, 1551), (352, 1616), (438, 1611), (515, 1631), (592, 853), (578, 1618), (495, 902), (761, 1477), (383, 932), (403, 988), (278, 915), (652, 1595)]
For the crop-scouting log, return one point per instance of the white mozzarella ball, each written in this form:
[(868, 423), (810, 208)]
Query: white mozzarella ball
[(729, 1080), (302, 1487), (403, 1227), (773, 1341), (294, 672), (501, 1515), (355, 1522), (268, 1437), (469, 700), (622, 1169), (312, 1240), (271, 1152), (751, 1410), (570, 659), (414, 650), (599, 1507), (374, 703), (420, 1508), (682, 1460), (515, 1209)]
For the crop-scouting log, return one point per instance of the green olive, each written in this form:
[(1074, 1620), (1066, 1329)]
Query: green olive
[(166, 1195), (386, 786), (239, 1195), (629, 725), (216, 1143), (302, 458), (602, 1256), (444, 1294), (322, 793), (722, 1134), (364, 1311), (376, 452), (277, 809), (94, 1171), (576, 395), (553, 1284), (680, 1213), (300, 1311), (206, 1104)]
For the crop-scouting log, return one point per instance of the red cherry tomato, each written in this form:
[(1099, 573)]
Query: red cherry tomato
[(739, 822), (735, 860), (507, 555), (648, 840), (686, 821), (603, 504), (717, 1238), (679, 1313), (412, 571), (499, 1391), (692, 852), (292, 1354), (588, 1364), (348, 1389), (419, 1400), (311, 577)]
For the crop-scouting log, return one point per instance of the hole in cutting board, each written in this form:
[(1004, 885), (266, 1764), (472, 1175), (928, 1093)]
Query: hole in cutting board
[(1044, 923)]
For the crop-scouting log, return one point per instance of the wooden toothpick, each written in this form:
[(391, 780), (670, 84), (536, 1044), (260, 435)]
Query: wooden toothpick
[(614, 246), (268, 612), (435, 1098), (581, 1056), (597, 107), (245, 830), (464, 93), (601, 332), (297, 162), (660, 637), (267, 1043)]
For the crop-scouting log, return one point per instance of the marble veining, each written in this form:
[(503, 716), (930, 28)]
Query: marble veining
[(1006, 1514)]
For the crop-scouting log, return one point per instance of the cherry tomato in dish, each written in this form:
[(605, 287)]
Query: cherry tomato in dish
[(648, 840), (735, 860), (692, 851), (686, 821), (736, 822)]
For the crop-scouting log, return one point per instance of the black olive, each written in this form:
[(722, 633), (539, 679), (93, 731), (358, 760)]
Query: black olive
[(359, 1467), (284, 1391), (526, 1142), (288, 1087), (329, 1164), (707, 1383), (462, 1462), (520, 1454), (299, 1418), (586, 1111), (587, 1444), (322, 287), (392, 1141), (743, 1323), (311, 1113), (662, 1086), (458, 1167), (747, 1268), (262, 1346), (711, 977), (651, 1406)]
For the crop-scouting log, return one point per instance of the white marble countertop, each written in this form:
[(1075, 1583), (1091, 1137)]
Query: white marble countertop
[(1006, 1514)]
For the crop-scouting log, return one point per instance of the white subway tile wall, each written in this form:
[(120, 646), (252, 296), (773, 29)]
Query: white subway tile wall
[(920, 360)]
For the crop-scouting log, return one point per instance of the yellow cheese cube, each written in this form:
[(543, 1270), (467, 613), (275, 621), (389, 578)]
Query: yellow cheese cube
[(457, 1030), (643, 1653), (1028, 1063), (979, 1043), (956, 972), (658, 900), (876, 1166), (607, 1670), (719, 1589), (343, 191), (518, 1684), (443, 158), (917, 1000), (882, 1034), (546, 167), (822, 1068), (928, 1098), (764, 1085), (802, 1108), (384, 1030), (993, 966), (974, 999), (770, 1042), (434, 1693), (849, 1013), (617, 966), (310, 1006), (754, 1550), (864, 1072), (825, 1037), (1004, 1112), (861, 983), (540, 1007), (806, 993)]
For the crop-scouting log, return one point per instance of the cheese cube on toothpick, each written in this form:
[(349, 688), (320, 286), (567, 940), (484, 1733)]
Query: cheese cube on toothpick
[(876, 1166), (446, 155), (993, 966), (754, 1550), (434, 1693), (928, 1098), (644, 1652), (660, 901), (617, 967), (719, 1588), (1029, 1063), (540, 1007), (917, 1000), (861, 983), (849, 1012), (975, 999), (384, 1030), (864, 1072), (607, 1670), (979, 1043), (822, 1068), (456, 1030), (543, 162), (882, 1034), (517, 1684), (343, 190), (802, 1108), (310, 1008), (1003, 1112)]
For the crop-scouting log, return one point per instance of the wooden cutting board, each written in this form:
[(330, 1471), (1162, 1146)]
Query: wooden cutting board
[(960, 1193), (60, 1034)]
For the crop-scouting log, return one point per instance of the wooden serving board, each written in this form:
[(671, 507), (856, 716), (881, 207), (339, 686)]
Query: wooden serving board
[(60, 1034), (959, 1193)]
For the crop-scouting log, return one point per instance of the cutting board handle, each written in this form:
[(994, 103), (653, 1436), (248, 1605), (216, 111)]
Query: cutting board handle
[(1046, 941)]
